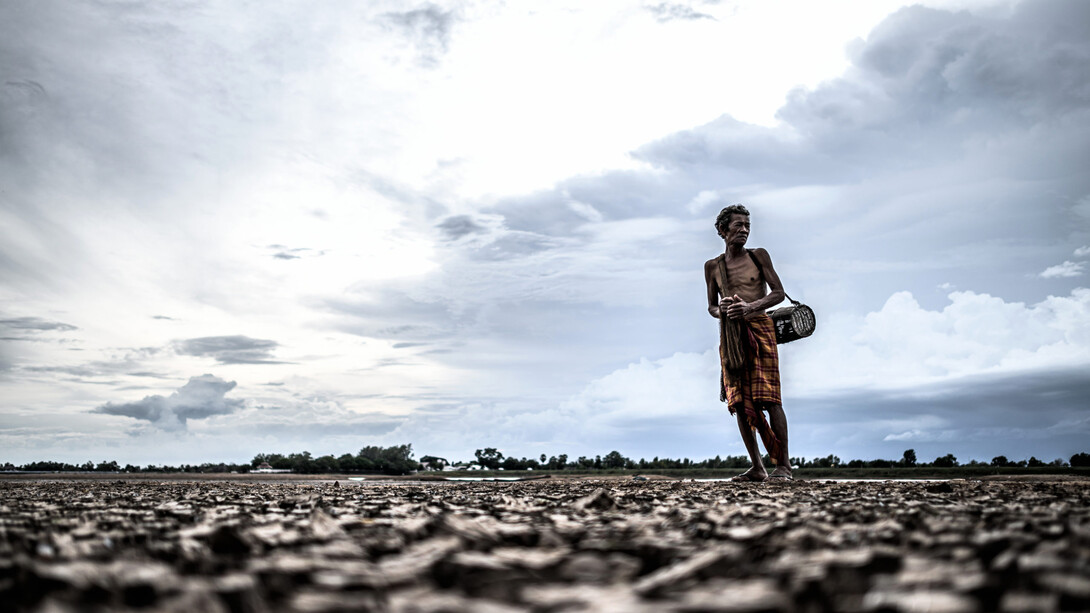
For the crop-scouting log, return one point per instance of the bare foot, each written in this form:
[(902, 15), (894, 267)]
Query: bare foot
[(782, 473), (751, 476)]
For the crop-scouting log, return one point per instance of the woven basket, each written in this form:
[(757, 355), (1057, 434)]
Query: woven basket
[(793, 322)]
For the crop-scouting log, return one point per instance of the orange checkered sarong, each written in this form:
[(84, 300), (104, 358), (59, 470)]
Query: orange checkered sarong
[(758, 383)]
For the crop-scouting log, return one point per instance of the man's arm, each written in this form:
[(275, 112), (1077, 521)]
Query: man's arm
[(713, 288), (775, 295)]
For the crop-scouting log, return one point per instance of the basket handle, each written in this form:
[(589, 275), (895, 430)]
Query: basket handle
[(761, 271)]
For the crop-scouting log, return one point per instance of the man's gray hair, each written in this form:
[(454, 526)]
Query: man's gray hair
[(724, 216)]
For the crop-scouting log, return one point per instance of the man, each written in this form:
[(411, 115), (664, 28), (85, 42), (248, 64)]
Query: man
[(738, 297)]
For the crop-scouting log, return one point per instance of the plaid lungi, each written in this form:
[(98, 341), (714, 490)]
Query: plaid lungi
[(758, 383)]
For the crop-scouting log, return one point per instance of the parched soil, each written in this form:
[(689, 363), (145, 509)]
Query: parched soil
[(544, 546)]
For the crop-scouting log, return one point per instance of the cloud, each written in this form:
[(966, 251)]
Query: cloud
[(665, 12), (36, 324), (574, 314), (126, 362), (229, 349), (428, 28), (978, 368), (286, 253), (927, 87), (457, 226), (1082, 252), (201, 397), (408, 345), (904, 344), (1067, 269)]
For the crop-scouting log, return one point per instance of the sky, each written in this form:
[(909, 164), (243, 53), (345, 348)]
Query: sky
[(247, 227)]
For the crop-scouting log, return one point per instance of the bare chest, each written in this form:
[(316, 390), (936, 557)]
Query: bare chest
[(742, 277)]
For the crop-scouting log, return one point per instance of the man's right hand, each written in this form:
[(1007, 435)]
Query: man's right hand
[(724, 305)]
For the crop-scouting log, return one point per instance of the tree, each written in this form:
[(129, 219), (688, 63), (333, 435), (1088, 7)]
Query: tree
[(348, 463), (489, 457), (278, 461), (909, 458), (1000, 460), (1034, 462), (1080, 459), (946, 461), (614, 459), (396, 460), (302, 463), (829, 461), (326, 464)]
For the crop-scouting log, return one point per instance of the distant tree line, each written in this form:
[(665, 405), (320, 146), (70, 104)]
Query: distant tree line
[(493, 459), (398, 460), (114, 467)]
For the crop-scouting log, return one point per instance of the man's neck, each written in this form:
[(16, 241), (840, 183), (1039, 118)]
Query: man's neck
[(735, 250)]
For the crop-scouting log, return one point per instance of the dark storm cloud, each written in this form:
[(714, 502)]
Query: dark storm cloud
[(230, 349), (428, 28), (664, 12), (947, 129), (201, 397), (924, 82), (1042, 413)]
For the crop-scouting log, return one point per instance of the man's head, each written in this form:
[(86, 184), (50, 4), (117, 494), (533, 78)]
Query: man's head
[(733, 224)]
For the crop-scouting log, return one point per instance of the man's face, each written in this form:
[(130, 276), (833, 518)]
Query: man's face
[(738, 229)]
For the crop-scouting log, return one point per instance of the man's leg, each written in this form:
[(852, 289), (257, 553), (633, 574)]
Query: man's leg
[(778, 420), (749, 437)]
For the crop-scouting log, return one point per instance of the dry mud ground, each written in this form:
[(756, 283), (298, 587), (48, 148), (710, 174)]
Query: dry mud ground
[(544, 546)]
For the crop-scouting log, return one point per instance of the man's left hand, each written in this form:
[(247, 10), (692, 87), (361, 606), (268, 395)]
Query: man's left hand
[(738, 308)]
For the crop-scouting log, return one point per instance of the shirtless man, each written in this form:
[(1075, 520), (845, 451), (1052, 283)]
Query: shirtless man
[(737, 288)]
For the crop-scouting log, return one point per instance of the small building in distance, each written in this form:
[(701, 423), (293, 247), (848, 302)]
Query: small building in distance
[(430, 462), (264, 467)]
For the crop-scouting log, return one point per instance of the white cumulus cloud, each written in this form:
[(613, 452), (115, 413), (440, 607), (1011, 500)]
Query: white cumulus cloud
[(1067, 269), (199, 398)]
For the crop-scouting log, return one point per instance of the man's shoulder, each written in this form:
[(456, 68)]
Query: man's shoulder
[(713, 262), (761, 254)]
